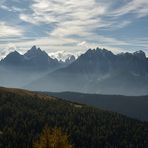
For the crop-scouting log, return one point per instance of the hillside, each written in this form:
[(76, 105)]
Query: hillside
[(23, 114), (132, 106)]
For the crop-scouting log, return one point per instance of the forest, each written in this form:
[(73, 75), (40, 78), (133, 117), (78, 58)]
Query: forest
[(24, 114), (131, 106)]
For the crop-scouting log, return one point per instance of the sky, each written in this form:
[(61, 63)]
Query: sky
[(73, 26)]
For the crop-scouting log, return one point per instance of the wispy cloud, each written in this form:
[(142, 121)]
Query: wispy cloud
[(72, 25), (9, 31), (11, 8), (137, 7), (73, 18), (5, 8)]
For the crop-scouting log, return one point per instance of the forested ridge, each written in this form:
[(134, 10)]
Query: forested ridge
[(131, 106), (23, 115)]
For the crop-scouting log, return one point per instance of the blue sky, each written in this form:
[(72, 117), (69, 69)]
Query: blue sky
[(73, 26)]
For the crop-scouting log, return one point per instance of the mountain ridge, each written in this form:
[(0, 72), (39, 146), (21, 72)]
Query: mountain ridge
[(34, 58), (131, 106), (96, 71), (18, 69), (100, 71)]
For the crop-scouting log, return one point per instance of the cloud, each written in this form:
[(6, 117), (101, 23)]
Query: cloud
[(12, 8), (82, 43), (5, 7), (60, 11), (2, 2), (5, 51), (73, 18), (73, 25), (62, 51), (138, 7), (69, 17), (9, 31), (69, 46), (62, 54), (28, 19)]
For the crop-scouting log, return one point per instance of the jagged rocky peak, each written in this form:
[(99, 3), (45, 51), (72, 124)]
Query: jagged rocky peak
[(90, 51), (99, 51), (34, 51), (33, 48), (70, 59), (104, 52), (13, 58), (13, 55), (140, 54)]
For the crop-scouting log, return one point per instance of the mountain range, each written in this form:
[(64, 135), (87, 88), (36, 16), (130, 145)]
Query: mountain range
[(18, 70), (95, 71), (99, 71), (34, 59)]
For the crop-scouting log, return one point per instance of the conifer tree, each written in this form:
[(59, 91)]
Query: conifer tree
[(52, 138)]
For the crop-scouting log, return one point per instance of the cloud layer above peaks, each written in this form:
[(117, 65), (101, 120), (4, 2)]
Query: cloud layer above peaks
[(74, 25)]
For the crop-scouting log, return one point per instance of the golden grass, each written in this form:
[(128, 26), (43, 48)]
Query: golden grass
[(22, 92)]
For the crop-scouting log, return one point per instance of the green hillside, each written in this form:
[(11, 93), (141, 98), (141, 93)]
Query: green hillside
[(23, 115)]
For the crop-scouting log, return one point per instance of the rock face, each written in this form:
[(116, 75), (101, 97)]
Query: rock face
[(70, 59), (100, 71)]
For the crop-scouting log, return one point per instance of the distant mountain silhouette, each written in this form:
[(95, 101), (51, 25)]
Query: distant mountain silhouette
[(18, 70), (100, 71), (13, 58), (34, 58)]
